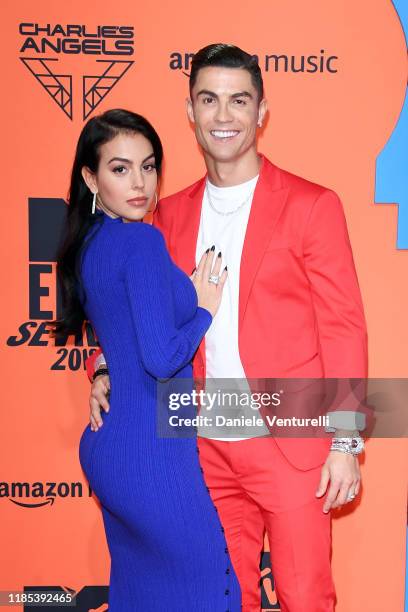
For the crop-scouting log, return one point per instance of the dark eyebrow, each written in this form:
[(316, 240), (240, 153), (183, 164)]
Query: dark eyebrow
[(240, 94), (206, 92), (123, 159), (148, 157)]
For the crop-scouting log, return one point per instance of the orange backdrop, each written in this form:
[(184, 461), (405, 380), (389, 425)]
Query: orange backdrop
[(327, 126)]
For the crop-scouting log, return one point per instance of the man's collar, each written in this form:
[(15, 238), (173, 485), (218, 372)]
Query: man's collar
[(268, 172)]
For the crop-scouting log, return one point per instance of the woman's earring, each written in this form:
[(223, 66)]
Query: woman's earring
[(94, 203), (155, 202)]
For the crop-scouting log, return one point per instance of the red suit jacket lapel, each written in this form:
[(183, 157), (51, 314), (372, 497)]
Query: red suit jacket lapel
[(267, 205)]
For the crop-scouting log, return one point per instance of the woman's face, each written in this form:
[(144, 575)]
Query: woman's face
[(126, 179)]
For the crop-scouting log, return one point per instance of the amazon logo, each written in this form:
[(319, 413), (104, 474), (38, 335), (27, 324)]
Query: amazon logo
[(39, 494)]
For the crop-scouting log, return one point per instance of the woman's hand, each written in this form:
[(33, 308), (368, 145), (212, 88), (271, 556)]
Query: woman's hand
[(98, 400), (209, 294)]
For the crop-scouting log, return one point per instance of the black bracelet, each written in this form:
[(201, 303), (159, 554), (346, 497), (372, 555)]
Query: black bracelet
[(100, 372)]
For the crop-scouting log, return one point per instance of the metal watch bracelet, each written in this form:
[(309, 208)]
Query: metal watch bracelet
[(353, 446)]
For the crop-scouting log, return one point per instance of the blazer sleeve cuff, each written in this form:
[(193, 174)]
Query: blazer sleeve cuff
[(345, 419)]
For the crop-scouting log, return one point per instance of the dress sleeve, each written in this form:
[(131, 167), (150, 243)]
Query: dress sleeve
[(164, 348)]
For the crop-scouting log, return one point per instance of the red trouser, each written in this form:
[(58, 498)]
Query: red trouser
[(254, 487)]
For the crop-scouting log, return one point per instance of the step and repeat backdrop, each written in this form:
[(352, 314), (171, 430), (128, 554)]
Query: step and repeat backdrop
[(335, 78)]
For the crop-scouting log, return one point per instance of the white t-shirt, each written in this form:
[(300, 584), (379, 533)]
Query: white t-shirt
[(227, 233)]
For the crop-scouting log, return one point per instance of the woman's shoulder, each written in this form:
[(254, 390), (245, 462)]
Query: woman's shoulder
[(141, 232), (122, 240), (135, 230), (141, 238)]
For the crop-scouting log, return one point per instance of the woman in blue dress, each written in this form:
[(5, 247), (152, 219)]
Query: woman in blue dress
[(168, 551)]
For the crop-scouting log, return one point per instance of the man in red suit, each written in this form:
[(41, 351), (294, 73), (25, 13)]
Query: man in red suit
[(291, 309)]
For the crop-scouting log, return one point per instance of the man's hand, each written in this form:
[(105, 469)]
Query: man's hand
[(342, 470), (98, 399)]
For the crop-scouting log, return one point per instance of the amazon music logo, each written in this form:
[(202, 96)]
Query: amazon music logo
[(43, 46), (317, 63), (40, 494), (46, 218)]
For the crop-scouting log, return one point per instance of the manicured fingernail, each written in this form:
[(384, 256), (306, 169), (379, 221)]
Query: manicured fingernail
[(213, 247), (207, 251), (226, 268), (193, 271), (219, 254)]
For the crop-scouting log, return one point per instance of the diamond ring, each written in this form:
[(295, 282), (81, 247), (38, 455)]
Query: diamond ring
[(213, 278)]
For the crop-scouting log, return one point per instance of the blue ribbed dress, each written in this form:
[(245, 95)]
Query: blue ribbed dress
[(168, 551)]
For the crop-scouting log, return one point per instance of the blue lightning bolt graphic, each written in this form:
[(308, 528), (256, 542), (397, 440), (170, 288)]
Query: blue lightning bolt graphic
[(391, 185)]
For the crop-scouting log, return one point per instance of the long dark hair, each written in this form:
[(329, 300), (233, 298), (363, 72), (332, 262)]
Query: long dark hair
[(96, 132)]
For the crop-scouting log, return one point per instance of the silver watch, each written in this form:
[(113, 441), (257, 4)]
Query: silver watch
[(354, 446)]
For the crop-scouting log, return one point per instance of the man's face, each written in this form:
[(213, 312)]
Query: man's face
[(225, 110)]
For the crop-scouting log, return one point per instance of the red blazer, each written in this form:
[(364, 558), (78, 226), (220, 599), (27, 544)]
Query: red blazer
[(300, 308)]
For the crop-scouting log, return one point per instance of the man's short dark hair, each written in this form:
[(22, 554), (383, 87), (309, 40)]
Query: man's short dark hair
[(227, 56)]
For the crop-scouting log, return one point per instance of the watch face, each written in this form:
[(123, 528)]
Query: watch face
[(357, 445)]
